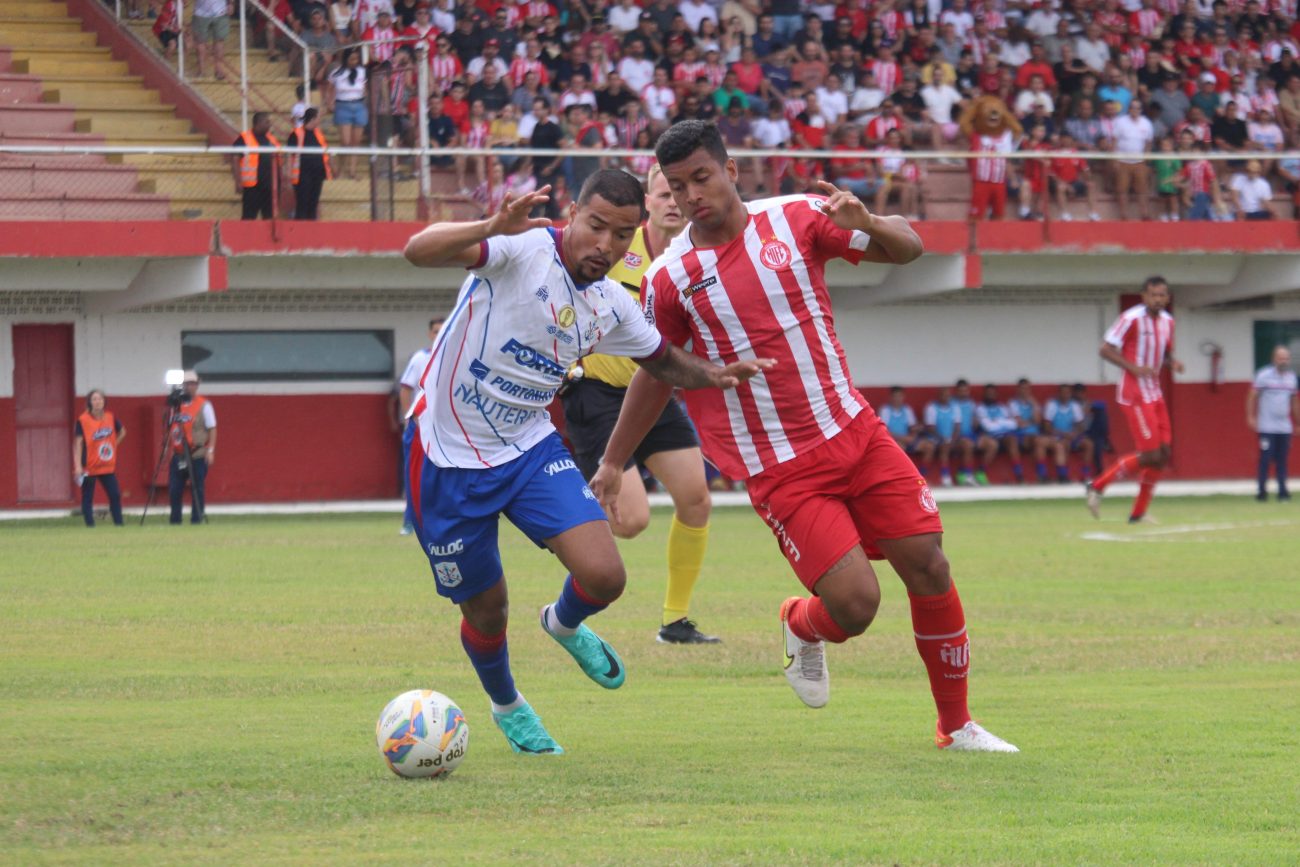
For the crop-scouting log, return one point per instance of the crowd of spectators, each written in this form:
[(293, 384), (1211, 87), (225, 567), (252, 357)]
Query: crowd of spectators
[(888, 75)]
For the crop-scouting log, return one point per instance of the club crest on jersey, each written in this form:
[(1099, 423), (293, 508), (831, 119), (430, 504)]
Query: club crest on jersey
[(567, 316), (632, 260), (926, 497), (775, 255), (105, 452)]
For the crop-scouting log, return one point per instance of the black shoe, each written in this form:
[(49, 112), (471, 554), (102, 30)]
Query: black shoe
[(684, 632), (1283, 496), (1262, 496)]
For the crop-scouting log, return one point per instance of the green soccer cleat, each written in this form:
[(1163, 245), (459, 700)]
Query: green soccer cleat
[(595, 657), (523, 729)]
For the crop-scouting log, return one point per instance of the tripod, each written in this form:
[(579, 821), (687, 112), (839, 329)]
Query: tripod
[(170, 423)]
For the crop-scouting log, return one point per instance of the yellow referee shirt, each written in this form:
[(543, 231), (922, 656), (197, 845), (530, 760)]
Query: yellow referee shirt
[(617, 370)]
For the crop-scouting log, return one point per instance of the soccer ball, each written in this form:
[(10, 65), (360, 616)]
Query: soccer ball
[(422, 733)]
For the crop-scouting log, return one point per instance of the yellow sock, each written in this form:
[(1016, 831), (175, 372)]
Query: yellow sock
[(685, 557)]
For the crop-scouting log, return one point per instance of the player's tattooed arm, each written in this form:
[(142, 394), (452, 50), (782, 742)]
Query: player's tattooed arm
[(444, 244), (893, 240), (678, 367)]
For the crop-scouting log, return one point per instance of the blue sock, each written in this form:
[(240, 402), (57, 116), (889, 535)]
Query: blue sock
[(1042, 470), (575, 606), (1019, 472), (1063, 473), (491, 660)]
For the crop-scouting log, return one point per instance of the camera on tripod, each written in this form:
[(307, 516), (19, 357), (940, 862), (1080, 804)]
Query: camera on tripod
[(175, 380)]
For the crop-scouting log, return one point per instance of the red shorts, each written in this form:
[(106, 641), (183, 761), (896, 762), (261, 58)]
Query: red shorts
[(1149, 424), (986, 194), (854, 489)]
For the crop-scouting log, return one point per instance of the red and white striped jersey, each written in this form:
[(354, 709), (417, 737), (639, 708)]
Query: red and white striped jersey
[(715, 73), (1143, 340), (992, 169), (443, 70), (1147, 22), (888, 75), (521, 66), (1200, 176), (686, 73), (384, 41), (537, 9), (762, 295)]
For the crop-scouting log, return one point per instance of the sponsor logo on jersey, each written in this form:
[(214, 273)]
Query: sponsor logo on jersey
[(926, 498), (632, 260), (559, 333), (567, 316), (559, 466), (543, 293), (448, 574), (103, 433), (524, 392), (775, 255), (526, 356), (478, 369), (494, 411), (106, 452), (451, 549), (700, 286)]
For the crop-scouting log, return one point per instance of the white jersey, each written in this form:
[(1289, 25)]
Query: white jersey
[(415, 367), (519, 323)]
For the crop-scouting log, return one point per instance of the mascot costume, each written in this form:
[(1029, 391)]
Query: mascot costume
[(991, 128)]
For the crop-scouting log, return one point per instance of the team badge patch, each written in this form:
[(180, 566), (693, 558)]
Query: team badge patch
[(447, 573), (105, 452), (926, 498), (566, 316), (632, 260), (774, 255)]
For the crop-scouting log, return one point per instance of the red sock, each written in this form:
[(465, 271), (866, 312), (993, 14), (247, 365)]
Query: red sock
[(809, 619), (940, 629), (1146, 489), (1118, 470)]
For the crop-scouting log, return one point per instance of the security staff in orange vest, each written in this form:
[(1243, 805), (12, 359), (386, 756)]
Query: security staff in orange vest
[(95, 438), (308, 172), (256, 174), (195, 425)]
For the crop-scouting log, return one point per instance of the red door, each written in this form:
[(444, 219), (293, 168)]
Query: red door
[(43, 387)]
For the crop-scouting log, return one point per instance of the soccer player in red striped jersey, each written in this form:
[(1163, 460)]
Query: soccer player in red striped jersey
[(1140, 343), (822, 469)]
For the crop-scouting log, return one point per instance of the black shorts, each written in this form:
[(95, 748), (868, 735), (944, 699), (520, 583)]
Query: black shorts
[(591, 409)]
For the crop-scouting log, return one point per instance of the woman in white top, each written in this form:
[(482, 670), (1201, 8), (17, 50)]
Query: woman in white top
[(346, 96), (341, 19)]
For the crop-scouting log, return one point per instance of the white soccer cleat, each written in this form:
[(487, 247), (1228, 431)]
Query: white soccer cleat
[(1094, 500), (805, 663), (973, 737)]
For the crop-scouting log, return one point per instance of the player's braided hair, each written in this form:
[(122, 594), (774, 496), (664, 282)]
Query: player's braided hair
[(614, 186), (685, 137)]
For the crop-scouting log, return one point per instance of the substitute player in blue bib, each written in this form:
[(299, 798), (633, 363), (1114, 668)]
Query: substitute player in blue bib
[(536, 301)]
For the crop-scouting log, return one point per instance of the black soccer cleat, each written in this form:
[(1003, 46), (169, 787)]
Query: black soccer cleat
[(684, 632)]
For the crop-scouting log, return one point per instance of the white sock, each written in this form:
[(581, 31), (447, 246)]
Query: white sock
[(553, 624), (502, 709)]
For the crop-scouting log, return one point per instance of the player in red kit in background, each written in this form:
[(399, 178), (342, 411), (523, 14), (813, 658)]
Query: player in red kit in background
[(822, 469), (1141, 343)]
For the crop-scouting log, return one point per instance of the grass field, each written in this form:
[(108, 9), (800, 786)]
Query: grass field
[(209, 695)]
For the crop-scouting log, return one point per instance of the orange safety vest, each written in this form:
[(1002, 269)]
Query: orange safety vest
[(299, 136), (184, 423), (248, 162), (100, 438)]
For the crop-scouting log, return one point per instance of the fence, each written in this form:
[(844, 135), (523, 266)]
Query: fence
[(431, 183)]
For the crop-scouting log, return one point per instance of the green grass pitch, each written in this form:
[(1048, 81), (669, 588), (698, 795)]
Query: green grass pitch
[(181, 695)]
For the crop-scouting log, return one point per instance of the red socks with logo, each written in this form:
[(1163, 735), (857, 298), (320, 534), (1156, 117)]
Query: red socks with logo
[(1146, 489), (940, 629), (809, 619)]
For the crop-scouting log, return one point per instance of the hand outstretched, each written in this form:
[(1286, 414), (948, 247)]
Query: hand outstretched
[(514, 219), (845, 209)]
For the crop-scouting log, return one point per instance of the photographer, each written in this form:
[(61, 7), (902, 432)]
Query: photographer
[(194, 443)]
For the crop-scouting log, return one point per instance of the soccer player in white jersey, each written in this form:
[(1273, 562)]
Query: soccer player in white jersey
[(1140, 343), (537, 300), (822, 469)]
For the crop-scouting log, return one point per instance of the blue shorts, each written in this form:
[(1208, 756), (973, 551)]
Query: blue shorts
[(457, 510), (352, 113)]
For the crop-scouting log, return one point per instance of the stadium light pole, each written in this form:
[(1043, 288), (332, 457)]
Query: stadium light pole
[(243, 65), (422, 116)]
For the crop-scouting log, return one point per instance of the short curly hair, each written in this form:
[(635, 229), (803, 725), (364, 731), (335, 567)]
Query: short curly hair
[(685, 137)]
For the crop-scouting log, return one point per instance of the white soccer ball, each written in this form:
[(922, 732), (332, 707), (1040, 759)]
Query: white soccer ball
[(422, 733)]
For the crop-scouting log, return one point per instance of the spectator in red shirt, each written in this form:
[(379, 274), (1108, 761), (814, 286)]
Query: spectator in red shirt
[(1070, 178), (456, 107), (1036, 65)]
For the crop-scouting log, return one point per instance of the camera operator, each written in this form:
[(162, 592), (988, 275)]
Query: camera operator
[(194, 425)]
